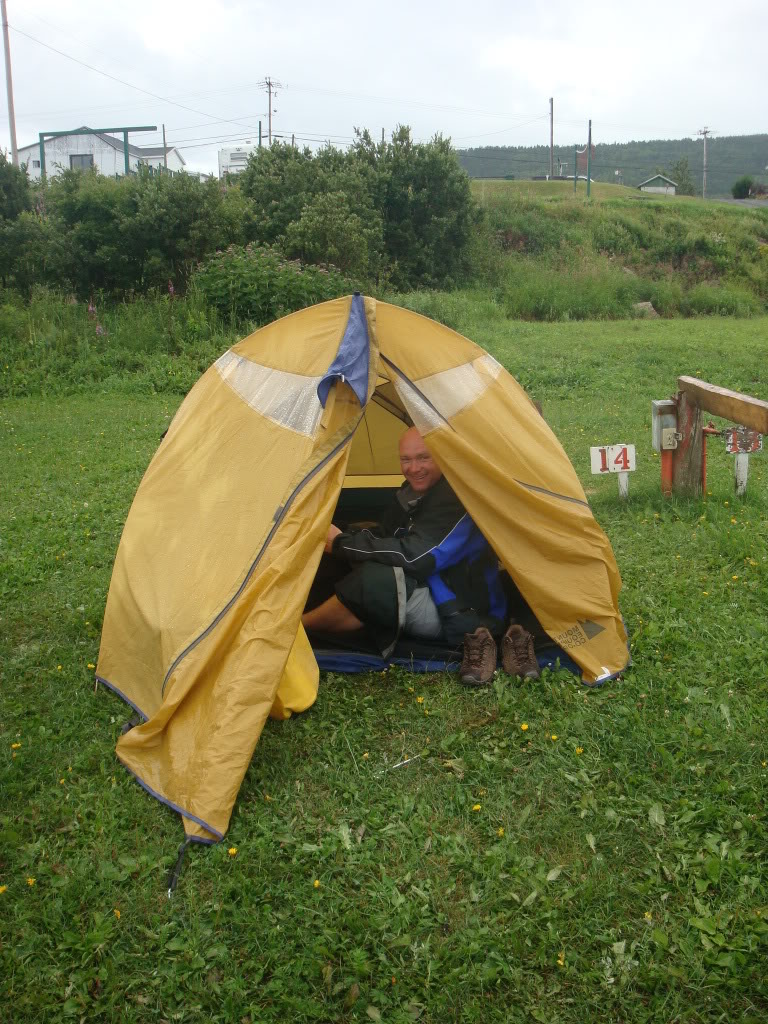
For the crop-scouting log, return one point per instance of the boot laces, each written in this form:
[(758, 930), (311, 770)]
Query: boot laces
[(476, 650)]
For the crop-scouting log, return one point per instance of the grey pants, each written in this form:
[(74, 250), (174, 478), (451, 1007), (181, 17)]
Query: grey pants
[(421, 616)]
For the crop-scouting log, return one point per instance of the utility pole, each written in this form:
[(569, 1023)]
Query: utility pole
[(271, 87), (165, 151), (705, 132), (551, 137), (9, 86), (589, 158)]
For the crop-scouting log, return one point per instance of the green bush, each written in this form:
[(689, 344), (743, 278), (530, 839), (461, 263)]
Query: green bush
[(742, 187), (255, 285)]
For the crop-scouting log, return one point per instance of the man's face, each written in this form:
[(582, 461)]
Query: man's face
[(417, 464)]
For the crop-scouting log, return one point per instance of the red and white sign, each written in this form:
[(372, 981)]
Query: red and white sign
[(613, 458), (740, 441)]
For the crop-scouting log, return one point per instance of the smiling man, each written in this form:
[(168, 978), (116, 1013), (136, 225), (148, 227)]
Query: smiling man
[(426, 571)]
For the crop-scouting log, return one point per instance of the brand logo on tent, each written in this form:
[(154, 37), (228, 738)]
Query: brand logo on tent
[(591, 629)]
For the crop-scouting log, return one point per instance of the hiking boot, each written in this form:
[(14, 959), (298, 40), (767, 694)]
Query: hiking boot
[(517, 654), (479, 662)]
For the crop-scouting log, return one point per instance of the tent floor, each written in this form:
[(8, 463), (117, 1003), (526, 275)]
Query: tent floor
[(354, 653)]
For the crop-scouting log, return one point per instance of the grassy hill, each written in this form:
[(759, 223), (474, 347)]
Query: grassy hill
[(728, 158), (561, 257)]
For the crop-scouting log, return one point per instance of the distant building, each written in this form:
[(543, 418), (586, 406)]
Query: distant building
[(233, 160), (658, 183), (104, 153)]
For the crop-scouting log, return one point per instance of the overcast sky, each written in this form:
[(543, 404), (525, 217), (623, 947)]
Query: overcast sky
[(481, 73)]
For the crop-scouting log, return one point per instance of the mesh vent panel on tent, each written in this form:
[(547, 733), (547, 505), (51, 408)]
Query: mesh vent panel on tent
[(286, 398)]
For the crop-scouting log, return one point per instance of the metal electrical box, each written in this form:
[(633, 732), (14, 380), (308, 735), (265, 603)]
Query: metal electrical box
[(664, 424)]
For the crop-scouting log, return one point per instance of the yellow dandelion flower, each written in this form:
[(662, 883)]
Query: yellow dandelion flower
[(232, 851), (734, 520), (561, 959), (648, 915), (764, 763), (579, 750), (419, 700), (705, 593), (553, 736), (499, 832), (116, 912), (58, 668), (477, 807), (3, 888), (410, 689), (524, 726), (267, 797), (61, 782), (365, 756), (425, 711), (31, 881), (316, 883), (15, 746), (91, 665), (734, 577)]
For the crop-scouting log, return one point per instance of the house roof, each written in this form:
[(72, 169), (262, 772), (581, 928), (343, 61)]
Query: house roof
[(137, 151), (657, 177)]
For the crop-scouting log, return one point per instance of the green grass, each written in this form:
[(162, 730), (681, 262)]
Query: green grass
[(566, 258), (614, 873)]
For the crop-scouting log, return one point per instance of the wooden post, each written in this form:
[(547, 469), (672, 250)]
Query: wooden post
[(686, 469)]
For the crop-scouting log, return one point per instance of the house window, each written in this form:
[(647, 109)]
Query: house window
[(80, 161), (35, 163)]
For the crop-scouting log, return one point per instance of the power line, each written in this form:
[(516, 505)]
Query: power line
[(129, 85)]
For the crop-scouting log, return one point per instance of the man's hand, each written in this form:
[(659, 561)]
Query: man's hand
[(333, 533)]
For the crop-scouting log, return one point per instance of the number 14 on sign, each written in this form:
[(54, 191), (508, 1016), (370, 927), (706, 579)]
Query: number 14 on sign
[(614, 458)]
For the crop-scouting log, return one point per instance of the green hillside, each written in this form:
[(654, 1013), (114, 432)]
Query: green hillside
[(560, 257), (728, 158)]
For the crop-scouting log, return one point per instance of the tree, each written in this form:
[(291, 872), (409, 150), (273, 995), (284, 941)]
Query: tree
[(680, 173), (742, 187), (426, 206), (15, 195), (409, 203), (329, 232)]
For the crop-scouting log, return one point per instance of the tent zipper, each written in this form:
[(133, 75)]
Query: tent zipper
[(278, 518)]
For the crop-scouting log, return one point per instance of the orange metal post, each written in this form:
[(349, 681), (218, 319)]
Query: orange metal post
[(709, 429), (667, 462)]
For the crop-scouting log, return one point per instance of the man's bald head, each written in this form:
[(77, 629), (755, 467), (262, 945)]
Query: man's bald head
[(418, 466)]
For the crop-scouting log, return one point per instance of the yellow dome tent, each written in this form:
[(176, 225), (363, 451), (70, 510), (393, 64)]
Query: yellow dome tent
[(202, 632)]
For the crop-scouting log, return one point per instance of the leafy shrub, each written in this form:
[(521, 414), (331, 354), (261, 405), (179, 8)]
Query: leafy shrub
[(256, 285), (742, 187), (612, 236), (411, 201), (329, 232)]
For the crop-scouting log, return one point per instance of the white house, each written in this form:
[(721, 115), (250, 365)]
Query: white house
[(105, 153), (233, 159), (658, 183)]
